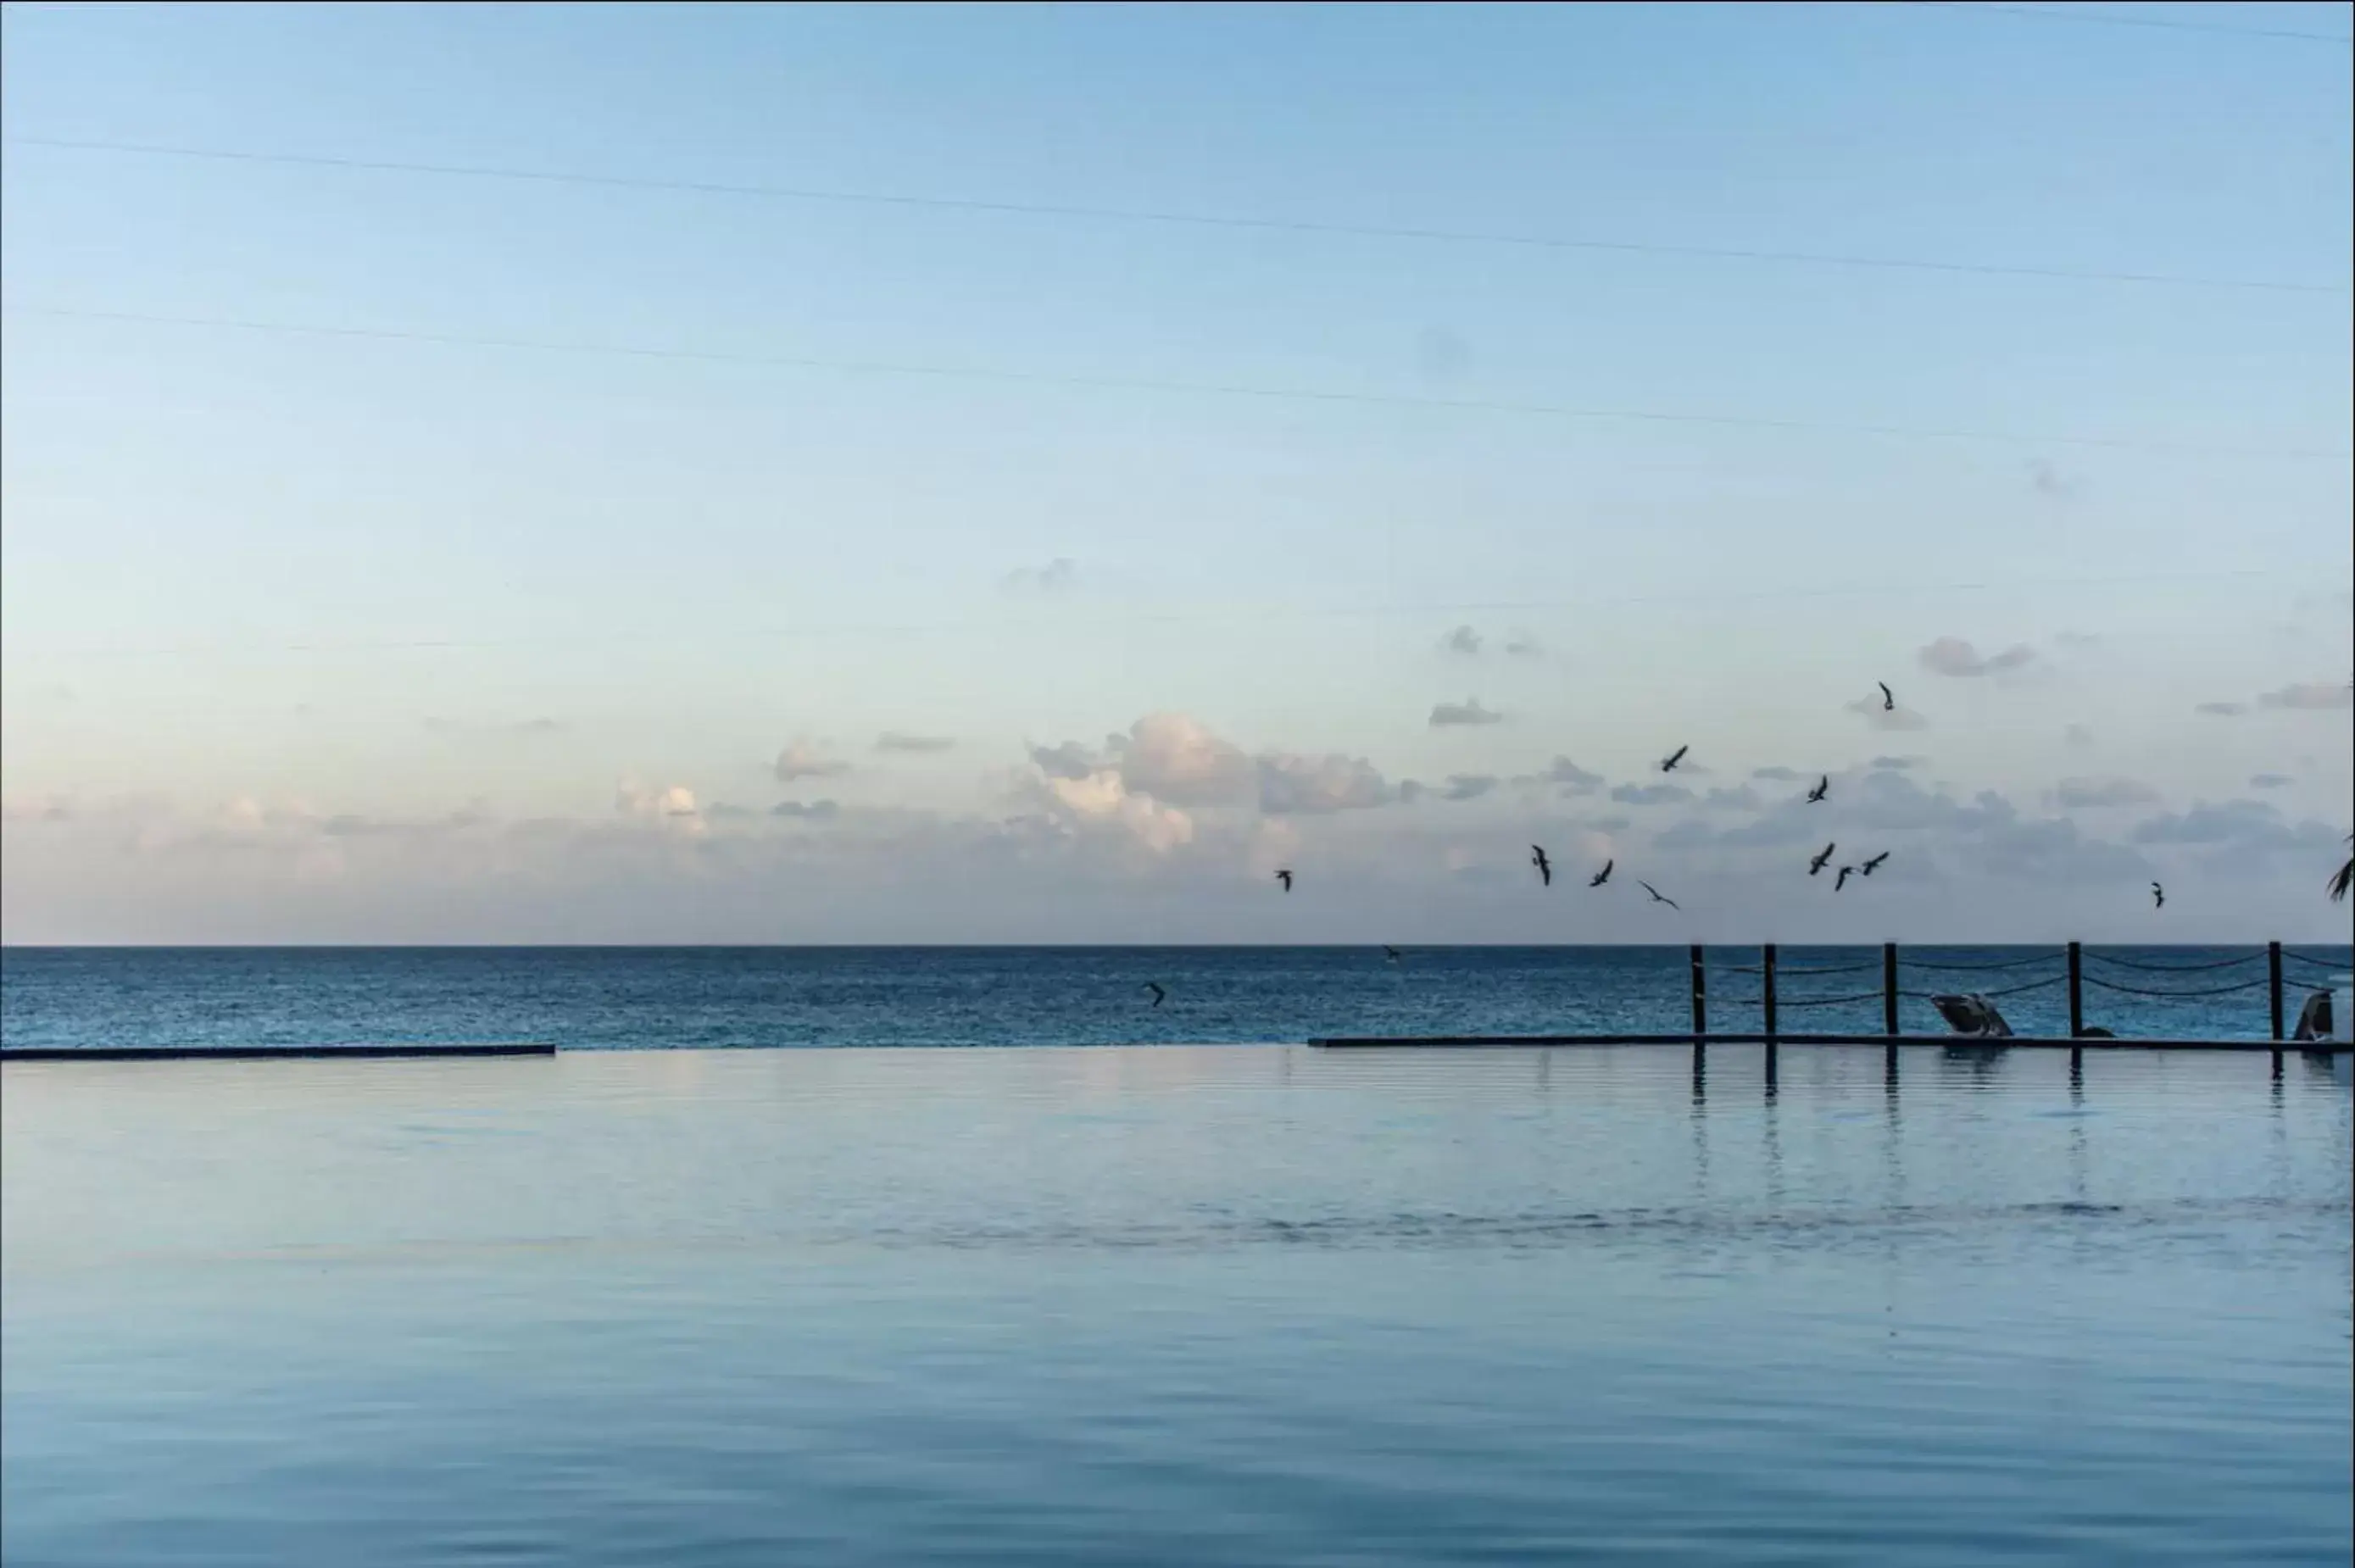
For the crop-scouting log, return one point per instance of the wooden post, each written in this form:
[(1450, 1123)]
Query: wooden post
[(1767, 970), (1888, 988), (1699, 994), (2076, 992), (2273, 973)]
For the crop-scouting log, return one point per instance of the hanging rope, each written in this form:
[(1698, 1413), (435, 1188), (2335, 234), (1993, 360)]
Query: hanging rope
[(2334, 967), (1829, 1002), (2143, 991), (2175, 968), (2000, 964), (1990, 996)]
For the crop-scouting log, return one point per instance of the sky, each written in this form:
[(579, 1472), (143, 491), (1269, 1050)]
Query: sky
[(720, 473)]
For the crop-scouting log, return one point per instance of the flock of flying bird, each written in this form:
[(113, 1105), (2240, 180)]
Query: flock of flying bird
[(1815, 863)]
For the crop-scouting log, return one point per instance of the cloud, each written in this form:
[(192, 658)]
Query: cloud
[(800, 760), (2078, 734), (1463, 640), (1896, 719), (2102, 794), (519, 728), (895, 741), (1776, 776), (1954, 657), (1175, 758), (805, 810), (2315, 696), (1742, 798), (1469, 786), (2077, 639), (1565, 775), (1651, 794), (2247, 824), (1296, 785), (1896, 765), (639, 800), (1101, 803), (1068, 761), (2222, 709), (1523, 645), (2051, 483), (1058, 576), (2270, 781), (1469, 711)]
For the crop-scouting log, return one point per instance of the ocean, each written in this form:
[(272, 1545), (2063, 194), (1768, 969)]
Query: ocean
[(705, 997), (1204, 1304)]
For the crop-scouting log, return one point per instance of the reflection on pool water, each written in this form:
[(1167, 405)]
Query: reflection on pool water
[(1181, 1305)]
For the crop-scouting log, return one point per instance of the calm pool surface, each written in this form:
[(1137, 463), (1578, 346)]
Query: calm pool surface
[(1175, 1306)]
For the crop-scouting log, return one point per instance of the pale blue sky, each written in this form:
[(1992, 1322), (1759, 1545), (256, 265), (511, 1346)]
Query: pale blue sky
[(639, 572)]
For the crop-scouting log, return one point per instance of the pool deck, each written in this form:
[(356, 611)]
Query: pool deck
[(273, 1052)]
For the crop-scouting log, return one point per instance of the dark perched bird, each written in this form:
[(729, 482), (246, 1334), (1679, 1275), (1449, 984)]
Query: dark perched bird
[(1841, 882), (1823, 787), (2157, 896), (1659, 897), (1867, 869), (1888, 697), (1160, 996), (1668, 763), (1544, 866), (1820, 861), (1286, 878), (1601, 876)]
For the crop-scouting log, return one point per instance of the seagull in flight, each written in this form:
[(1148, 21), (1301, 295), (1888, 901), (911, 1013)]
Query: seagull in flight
[(1823, 787), (2157, 896), (1867, 868), (1601, 876), (1544, 866), (1845, 873), (1659, 897), (1160, 996), (1286, 878), (1391, 955), (1888, 697), (1820, 861), (1668, 763)]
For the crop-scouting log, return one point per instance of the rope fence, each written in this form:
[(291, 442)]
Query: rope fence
[(2328, 967), (1991, 995), (2146, 991), (2176, 969), (1999, 963)]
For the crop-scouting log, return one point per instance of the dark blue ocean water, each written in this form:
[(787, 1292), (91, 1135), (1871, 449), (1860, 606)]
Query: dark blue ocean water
[(590, 998)]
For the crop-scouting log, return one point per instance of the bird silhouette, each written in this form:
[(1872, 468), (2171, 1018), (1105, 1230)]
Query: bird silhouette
[(1668, 763), (1286, 878), (1820, 861), (1823, 787), (1544, 866), (1601, 876), (1867, 869), (1888, 697), (1841, 882), (2157, 896), (1391, 955), (1160, 996), (1659, 897)]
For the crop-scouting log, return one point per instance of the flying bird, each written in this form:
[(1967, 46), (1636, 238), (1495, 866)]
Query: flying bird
[(1601, 876), (1823, 787), (1845, 873), (1867, 866), (1544, 866), (1668, 763), (1888, 697), (1659, 897), (1160, 996), (1391, 955), (2157, 896), (1286, 878), (1820, 861)]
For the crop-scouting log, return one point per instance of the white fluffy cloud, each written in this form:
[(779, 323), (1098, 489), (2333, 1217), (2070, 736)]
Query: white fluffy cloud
[(801, 759)]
